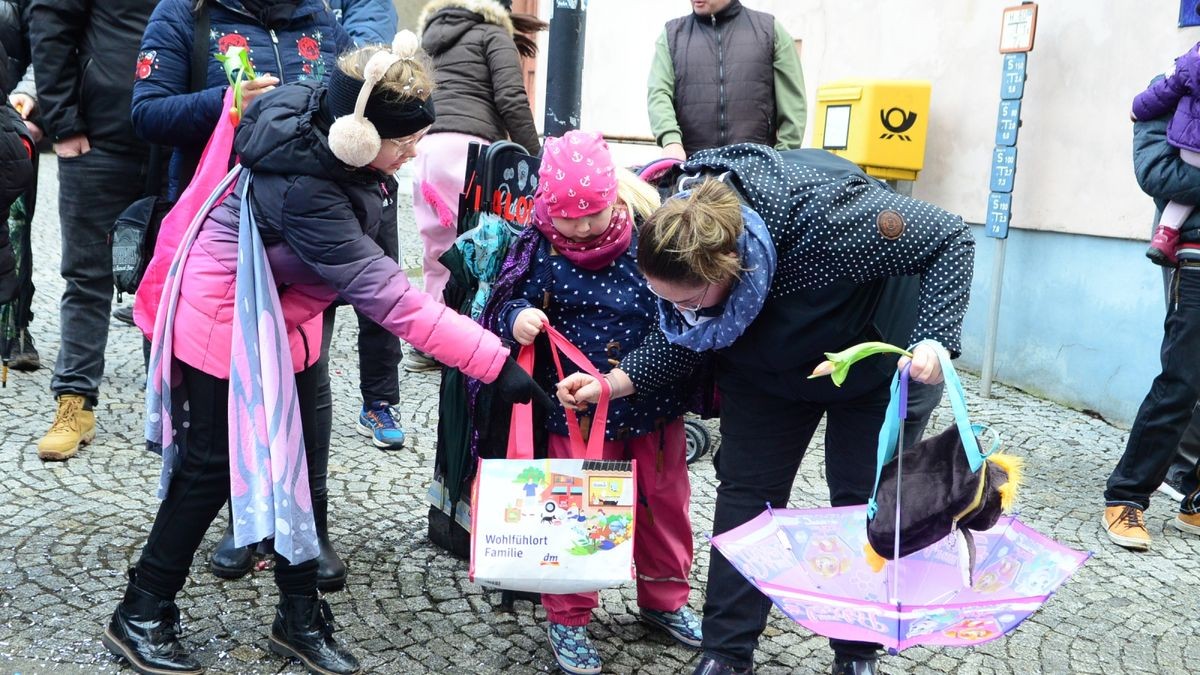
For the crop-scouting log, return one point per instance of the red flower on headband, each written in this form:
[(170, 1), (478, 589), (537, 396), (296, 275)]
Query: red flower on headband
[(232, 40), (308, 48)]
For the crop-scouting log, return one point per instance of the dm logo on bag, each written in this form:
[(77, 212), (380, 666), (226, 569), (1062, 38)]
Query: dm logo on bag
[(564, 522)]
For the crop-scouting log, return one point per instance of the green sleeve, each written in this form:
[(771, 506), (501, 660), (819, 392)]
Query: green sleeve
[(660, 95), (791, 110)]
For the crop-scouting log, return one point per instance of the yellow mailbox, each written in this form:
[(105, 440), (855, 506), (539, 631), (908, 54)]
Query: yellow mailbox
[(879, 125)]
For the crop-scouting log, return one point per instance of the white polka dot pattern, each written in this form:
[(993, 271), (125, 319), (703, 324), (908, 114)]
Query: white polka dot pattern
[(823, 214)]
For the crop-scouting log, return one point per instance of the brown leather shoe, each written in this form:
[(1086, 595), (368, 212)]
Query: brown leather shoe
[(1187, 522), (1126, 526)]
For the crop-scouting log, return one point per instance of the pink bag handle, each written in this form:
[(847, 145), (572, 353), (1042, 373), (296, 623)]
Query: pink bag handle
[(520, 431), (213, 167)]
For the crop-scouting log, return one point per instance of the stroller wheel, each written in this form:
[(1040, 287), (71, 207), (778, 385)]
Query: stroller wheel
[(698, 440)]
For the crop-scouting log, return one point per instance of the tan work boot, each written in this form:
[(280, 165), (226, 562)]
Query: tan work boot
[(1187, 522), (1126, 525), (73, 426)]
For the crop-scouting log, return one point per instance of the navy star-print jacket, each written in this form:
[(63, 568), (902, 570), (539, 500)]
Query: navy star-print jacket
[(606, 314), (166, 110)]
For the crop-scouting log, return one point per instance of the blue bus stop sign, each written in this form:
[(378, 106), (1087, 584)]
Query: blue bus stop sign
[(998, 211), (1008, 120), (1012, 80), (1004, 169)]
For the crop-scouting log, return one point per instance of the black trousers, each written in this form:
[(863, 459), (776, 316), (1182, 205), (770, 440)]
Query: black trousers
[(1168, 408), (379, 351), (766, 426), (200, 487)]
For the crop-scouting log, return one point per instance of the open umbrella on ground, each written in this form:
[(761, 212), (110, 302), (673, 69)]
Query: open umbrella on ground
[(929, 560), (812, 564)]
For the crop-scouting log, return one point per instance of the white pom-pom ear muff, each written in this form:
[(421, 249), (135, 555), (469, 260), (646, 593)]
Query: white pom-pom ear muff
[(352, 138), (405, 44)]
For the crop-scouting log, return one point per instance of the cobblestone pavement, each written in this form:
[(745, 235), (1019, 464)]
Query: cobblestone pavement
[(69, 530)]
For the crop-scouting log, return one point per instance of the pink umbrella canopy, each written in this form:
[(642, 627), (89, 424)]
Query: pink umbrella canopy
[(813, 565)]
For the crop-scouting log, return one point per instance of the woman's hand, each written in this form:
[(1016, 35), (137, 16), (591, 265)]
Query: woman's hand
[(528, 324), (926, 366), (579, 390), (252, 89)]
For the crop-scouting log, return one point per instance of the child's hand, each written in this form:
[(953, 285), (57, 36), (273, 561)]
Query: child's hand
[(528, 324)]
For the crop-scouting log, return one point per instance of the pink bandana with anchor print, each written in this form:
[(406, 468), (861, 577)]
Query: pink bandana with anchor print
[(577, 179)]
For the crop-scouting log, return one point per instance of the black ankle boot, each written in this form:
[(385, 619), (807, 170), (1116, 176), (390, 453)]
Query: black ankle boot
[(303, 629), (853, 666), (331, 571), (228, 561), (144, 630)]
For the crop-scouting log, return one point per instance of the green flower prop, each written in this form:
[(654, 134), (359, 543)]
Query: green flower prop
[(236, 61), (837, 366)]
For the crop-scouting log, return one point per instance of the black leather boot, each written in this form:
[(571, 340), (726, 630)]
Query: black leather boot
[(144, 630), (710, 666), (303, 629), (855, 666), (228, 561), (331, 571)]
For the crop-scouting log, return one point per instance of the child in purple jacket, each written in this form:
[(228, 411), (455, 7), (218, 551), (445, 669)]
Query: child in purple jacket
[(1179, 91)]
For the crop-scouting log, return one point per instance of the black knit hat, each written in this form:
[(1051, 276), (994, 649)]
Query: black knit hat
[(392, 119)]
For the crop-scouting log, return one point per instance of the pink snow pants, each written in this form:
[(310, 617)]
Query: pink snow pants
[(438, 173), (662, 538)]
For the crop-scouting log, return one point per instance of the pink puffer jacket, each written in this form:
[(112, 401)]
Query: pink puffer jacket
[(378, 287)]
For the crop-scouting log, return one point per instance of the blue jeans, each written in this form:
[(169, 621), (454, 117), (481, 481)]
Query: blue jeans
[(94, 188), (1167, 409)]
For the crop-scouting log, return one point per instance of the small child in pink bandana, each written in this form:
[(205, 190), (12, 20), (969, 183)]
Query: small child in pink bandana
[(584, 280)]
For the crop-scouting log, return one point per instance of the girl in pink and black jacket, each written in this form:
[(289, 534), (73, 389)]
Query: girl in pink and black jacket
[(316, 204)]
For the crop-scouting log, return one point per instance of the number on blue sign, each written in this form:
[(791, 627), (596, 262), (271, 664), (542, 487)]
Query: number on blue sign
[(1007, 122), (1012, 80), (999, 209), (1004, 169)]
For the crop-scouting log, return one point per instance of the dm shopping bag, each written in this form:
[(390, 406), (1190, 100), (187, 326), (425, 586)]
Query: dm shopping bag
[(554, 525)]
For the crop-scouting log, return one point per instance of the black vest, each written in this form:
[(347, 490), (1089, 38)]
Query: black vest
[(724, 77)]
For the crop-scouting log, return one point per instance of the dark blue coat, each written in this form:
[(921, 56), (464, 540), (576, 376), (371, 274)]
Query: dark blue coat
[(367, 21), (167, 112), (606, 314)]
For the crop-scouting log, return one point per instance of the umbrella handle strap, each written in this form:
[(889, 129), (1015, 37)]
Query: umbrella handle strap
[(889, 433)]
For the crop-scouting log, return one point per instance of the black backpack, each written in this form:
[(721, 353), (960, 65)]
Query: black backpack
[(133, 236), (135, 231)]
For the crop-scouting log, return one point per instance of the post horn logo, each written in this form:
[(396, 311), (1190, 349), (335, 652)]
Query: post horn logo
[(906, 121)]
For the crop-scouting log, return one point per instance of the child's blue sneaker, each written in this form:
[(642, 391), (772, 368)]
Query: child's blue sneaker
[(573, 649), (376, 421), (683, 625)]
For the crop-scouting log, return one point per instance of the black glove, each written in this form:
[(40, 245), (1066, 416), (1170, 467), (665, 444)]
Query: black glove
[(516, 386)]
